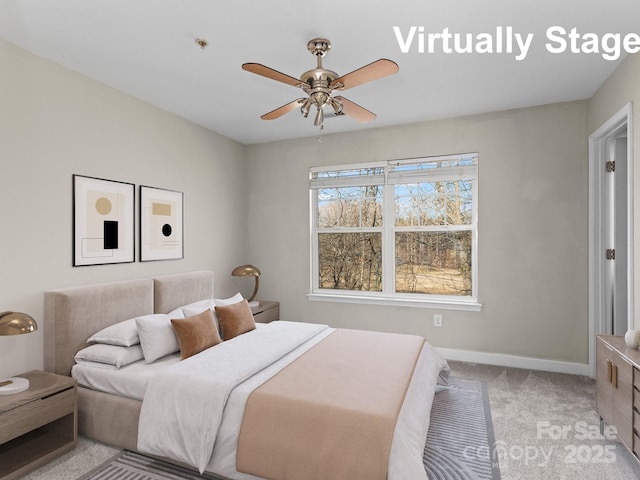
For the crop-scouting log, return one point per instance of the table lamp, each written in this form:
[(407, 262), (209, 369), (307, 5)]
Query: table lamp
[(249, 271), (15, 323)]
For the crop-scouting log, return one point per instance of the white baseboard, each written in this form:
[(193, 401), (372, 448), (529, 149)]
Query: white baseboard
[(515, 361)]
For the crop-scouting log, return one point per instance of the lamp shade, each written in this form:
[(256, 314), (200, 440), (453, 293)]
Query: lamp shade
[(248, 271), (16, 323)]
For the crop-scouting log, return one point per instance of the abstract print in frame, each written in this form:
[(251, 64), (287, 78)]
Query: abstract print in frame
[(103, 221), (161, 228)]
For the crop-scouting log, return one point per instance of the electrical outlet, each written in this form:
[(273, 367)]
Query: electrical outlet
[(437, 320)]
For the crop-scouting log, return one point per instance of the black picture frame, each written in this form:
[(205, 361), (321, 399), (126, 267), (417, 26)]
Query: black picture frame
[(103, 221), (161, 224)]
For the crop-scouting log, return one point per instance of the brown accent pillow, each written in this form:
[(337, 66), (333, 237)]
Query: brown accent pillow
[(196, 333), (235, 319)]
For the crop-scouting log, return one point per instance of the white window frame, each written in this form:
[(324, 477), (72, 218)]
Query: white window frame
[(388, 296)]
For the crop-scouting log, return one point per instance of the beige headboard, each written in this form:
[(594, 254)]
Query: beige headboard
[(173, 291), (74, 314), (71, 315)]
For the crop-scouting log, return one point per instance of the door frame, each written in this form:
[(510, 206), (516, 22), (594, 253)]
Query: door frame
[(597, 246)]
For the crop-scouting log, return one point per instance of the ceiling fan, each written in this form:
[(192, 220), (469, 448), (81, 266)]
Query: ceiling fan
[(319, 84)]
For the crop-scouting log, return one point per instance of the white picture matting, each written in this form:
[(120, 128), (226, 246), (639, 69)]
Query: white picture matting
[(103, 221), (161, 224)]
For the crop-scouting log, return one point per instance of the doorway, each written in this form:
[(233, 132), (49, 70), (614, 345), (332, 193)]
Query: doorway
[(610, 229)]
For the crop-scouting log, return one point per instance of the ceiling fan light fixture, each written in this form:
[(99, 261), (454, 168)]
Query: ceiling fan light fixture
[(306, 106), (320, 83), (337, 106), (319, 120)]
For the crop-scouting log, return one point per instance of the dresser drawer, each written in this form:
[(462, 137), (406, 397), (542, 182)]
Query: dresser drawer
[(32, 415), (636, 378), (636, 445), (636, 400)]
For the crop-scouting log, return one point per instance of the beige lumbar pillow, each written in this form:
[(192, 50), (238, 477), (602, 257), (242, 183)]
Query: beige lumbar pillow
[(196, 333), (235, 319)]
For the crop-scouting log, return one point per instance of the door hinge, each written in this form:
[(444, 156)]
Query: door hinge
[(611, 254), (610, 167)]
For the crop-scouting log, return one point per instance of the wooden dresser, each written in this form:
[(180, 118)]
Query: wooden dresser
[(618, 389)]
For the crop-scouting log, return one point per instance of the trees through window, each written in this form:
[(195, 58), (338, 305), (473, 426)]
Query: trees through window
[(397, 228)]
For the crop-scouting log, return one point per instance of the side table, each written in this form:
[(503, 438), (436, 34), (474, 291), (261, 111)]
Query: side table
[(37, 425), (266, 312)]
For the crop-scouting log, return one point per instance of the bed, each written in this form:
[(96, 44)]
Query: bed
[(113, 414)]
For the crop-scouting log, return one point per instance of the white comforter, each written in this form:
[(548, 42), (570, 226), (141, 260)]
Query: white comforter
[(192, 395)]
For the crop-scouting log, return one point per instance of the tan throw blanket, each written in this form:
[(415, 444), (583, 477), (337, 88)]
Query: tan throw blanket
[(331, 413)]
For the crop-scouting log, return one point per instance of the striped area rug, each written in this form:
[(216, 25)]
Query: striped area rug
[(460, 443), (133, 466), (457, 447)]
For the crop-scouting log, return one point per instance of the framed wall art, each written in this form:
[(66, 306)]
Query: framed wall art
[(103, 221), (161, 224)]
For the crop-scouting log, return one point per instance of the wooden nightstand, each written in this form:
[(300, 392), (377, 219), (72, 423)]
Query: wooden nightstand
[(37, 425), (266, 312)]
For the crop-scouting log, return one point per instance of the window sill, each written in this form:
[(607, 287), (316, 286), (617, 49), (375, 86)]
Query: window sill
[(442, 304)]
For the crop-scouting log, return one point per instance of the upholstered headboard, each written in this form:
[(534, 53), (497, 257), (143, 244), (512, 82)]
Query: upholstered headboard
[(173, 291), (74, 314)]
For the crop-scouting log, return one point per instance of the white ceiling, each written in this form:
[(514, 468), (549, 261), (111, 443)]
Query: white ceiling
[(147, 49)]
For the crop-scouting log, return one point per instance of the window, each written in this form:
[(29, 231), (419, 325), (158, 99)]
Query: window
[(397, 231)]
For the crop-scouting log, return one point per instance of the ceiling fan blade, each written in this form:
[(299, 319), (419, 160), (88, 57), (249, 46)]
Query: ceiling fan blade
[(378, 69), (278, 112), (260, 69), (355, 111)]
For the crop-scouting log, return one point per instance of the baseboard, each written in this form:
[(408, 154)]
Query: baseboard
[(515, 361)]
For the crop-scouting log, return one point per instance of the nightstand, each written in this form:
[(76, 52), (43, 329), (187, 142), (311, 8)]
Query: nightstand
[(37, 425), (266, 312)]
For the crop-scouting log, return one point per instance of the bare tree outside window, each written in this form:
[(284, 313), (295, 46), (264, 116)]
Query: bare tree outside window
[(433, 237), (349, 256), (430, 234)]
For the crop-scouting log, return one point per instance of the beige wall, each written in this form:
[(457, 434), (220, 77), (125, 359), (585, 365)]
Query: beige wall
[(622, 87), (533, 215), (532, 219), (54, 123)]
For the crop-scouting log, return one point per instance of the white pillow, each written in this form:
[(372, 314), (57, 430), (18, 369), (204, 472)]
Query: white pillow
[(177, 314), (123, 333), (198, 307), (225, 302), (157, 337), (115, 355), (89, 363)]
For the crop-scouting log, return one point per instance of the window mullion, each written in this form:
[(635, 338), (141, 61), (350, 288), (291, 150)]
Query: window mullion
[(388, 239)]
